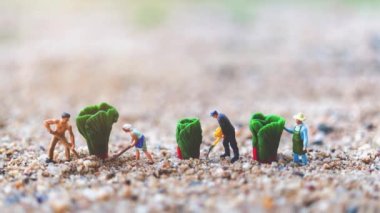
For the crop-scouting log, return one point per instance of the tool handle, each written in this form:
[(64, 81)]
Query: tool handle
[(73, 150), (122, 152), (75, 153), (209, 151)]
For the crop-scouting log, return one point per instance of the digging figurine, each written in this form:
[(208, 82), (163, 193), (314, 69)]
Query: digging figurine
[(228, 131), (138, 141), (58, 135)]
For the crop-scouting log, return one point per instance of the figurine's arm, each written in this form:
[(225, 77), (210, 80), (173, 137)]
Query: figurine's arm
[(134, 140), (218, 134), (217, 140), (72, 137), (48, 124), (291, 131), (305, 137)]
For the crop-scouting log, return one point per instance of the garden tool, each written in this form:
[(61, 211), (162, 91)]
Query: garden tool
[(64, 142)]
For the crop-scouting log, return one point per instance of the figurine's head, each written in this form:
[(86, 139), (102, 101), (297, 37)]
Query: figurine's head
[(214, 114), (300, 118), (127, 127), (65, 116)]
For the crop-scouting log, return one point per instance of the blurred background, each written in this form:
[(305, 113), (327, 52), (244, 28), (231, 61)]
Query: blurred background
[(158, 61)]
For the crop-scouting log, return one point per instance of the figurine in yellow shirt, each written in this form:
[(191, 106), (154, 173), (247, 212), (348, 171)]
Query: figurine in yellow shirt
[(218, 134)]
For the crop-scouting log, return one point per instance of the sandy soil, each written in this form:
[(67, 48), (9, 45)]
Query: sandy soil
[(321, 60)]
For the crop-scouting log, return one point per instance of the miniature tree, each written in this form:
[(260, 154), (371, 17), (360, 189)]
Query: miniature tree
[(189, 138), (95, 125), (266, 135)]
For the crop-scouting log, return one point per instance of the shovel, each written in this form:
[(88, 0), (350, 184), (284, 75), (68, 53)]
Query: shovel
[(62, 139), (122, 152), (211, 148)]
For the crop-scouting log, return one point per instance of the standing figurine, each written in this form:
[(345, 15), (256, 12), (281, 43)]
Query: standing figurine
[(300, 139), (62, 125), (138, 141), (228, 131)]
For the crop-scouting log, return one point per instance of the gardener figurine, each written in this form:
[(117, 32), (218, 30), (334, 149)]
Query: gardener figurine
[(300, 139), (229, 135), (62, 125), (138, 141)]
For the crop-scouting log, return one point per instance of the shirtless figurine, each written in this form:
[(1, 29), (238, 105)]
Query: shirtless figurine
[(62, 126)]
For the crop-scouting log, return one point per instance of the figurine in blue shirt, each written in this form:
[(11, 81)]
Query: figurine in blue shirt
[(300, 139)]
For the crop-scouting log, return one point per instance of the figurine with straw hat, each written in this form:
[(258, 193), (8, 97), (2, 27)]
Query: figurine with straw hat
[(300, 139)]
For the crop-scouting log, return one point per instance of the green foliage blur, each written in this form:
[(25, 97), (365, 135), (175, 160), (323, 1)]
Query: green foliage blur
[(95, 125), (266, 134), (189, 137)]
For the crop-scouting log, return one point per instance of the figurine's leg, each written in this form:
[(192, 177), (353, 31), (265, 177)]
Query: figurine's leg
[(235, 148), (52, 144), (137, 154), (67, 153), (296, 158), (67, 148), (64, 142), (147, 154), (304, 159), (226, 148)]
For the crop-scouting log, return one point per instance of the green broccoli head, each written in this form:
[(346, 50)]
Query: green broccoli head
[(266, 135), (95, 125), (189, 137)]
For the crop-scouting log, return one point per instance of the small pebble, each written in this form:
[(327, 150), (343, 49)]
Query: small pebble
[(300, 174), (326, 129), (110, 176)]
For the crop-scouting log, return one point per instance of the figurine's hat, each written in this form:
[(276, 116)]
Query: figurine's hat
[(215, 112), (127, 127), (300, 117)]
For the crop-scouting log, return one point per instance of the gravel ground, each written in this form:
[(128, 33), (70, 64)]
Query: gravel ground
[(321, 60)]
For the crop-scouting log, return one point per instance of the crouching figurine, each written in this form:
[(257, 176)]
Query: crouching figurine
[(58, 135), (138, 141), (300, 139)]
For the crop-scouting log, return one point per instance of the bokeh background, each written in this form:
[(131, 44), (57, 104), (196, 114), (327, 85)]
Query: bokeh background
[(158, 61)]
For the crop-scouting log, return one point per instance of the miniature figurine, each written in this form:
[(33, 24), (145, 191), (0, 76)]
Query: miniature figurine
[(188, 138), (300, 139), (218, 134), (138, 141), (95, 125), (229, 135), (62, 126)]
